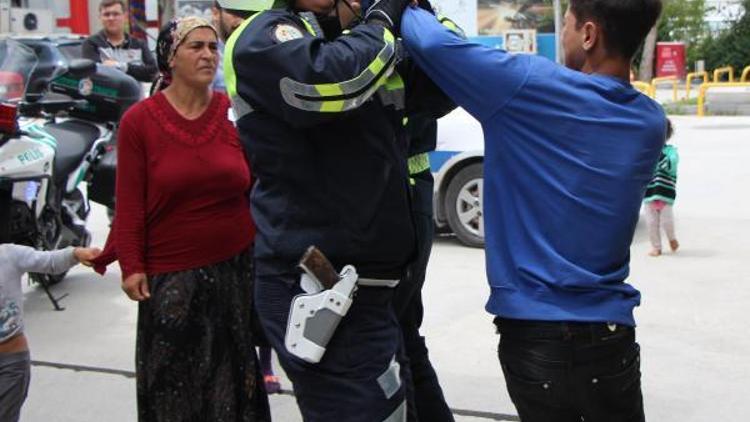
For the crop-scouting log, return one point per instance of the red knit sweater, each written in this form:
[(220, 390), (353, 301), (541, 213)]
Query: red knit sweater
[(181, 191)]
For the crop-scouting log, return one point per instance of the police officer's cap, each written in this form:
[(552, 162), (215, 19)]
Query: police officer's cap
[(248, 5)]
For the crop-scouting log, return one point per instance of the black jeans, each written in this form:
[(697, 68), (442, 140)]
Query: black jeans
[(569, 372)]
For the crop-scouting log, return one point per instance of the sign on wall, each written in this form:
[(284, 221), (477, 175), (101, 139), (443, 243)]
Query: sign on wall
[(520, 41), (670, 59), (494, 17), (200, 8)]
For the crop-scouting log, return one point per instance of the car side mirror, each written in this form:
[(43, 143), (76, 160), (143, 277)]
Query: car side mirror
[(81, 68)]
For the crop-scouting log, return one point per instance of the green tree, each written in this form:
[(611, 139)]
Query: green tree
[(731, 47), (684, 20)]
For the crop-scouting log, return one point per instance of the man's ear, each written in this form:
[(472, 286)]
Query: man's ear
[(591, 34)]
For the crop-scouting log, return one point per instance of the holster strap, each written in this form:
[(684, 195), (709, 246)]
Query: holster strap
[(377, 282)]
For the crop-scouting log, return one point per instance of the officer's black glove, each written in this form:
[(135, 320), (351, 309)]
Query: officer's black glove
[(426, 5), (387, 13)]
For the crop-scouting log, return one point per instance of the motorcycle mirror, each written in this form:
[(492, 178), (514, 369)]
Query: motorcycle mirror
[(8, 123), (81, 68)]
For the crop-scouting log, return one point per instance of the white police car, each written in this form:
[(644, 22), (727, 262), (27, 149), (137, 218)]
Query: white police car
[(457, 166)]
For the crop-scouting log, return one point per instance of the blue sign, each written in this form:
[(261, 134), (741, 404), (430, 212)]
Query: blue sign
[(545, 43)]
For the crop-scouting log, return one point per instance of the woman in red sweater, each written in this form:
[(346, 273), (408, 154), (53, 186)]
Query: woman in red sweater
[(183, 234)]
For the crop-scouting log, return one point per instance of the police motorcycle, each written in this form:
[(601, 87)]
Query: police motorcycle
[(53, 144)]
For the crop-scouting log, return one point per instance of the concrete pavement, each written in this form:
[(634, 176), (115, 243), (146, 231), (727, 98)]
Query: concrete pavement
[(692, 323)]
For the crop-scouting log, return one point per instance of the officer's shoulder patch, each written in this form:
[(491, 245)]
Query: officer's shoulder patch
[(284, 32)]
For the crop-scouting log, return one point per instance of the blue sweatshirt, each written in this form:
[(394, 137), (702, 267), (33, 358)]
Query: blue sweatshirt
[(567, 160)]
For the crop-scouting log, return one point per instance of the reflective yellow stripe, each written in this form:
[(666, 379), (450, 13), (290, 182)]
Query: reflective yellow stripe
[(419, 163), (388, 36), (392, 92), (451, 25), (328, 97), (376, 65), (329, 90), (230, 76), (332, 106), (309, 27), (394, 82)]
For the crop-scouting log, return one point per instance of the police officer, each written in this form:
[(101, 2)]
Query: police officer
[(322, 120), (429, 401), (430, 404)]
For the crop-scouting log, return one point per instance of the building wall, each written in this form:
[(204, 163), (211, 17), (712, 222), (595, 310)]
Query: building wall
[(94, 24)]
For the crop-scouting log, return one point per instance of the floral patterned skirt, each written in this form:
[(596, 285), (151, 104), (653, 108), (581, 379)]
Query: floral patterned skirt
[(195, 354)]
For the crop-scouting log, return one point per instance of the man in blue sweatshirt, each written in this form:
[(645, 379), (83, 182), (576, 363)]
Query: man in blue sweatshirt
[(569, 151)]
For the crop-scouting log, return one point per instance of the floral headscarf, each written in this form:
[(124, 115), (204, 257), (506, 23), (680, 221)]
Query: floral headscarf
[(171, 36)]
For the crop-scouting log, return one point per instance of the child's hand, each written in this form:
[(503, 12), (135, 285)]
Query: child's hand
[(86, 255)]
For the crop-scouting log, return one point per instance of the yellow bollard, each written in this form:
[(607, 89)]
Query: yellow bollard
[(745, 75), (727, 70), (706, 86), (702, 99), (689, 79), (656, 81), (642, 86)]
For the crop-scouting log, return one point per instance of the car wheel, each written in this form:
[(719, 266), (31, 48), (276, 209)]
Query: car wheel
[(464, 205)]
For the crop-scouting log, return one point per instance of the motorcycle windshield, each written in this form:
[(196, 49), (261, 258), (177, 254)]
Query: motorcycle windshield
[(17, 62)]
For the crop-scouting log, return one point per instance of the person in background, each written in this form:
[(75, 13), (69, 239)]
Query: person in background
[(270, 379), (114, 47), (569, 151), (15, 362), (218, 84), (660, 196), (429, 401), (182, 193)]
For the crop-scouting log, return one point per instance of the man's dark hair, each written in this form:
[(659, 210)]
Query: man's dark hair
[(244, 14), (107, 3), (625, 23)]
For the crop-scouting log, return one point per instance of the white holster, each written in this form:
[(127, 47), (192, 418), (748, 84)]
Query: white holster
[(314, 317)]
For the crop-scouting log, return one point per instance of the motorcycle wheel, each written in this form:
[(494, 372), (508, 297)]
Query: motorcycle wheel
[(52, 279), (48, 240)]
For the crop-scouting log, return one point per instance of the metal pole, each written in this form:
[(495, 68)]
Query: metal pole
[(558, 30)]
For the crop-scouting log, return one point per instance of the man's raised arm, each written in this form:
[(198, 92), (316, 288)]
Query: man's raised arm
[(478, 78)]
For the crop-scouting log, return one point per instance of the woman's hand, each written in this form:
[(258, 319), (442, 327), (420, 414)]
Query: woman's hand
[(136, 287)]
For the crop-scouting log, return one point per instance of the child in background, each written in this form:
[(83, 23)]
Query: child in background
[(660, 197), (15, 363)]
